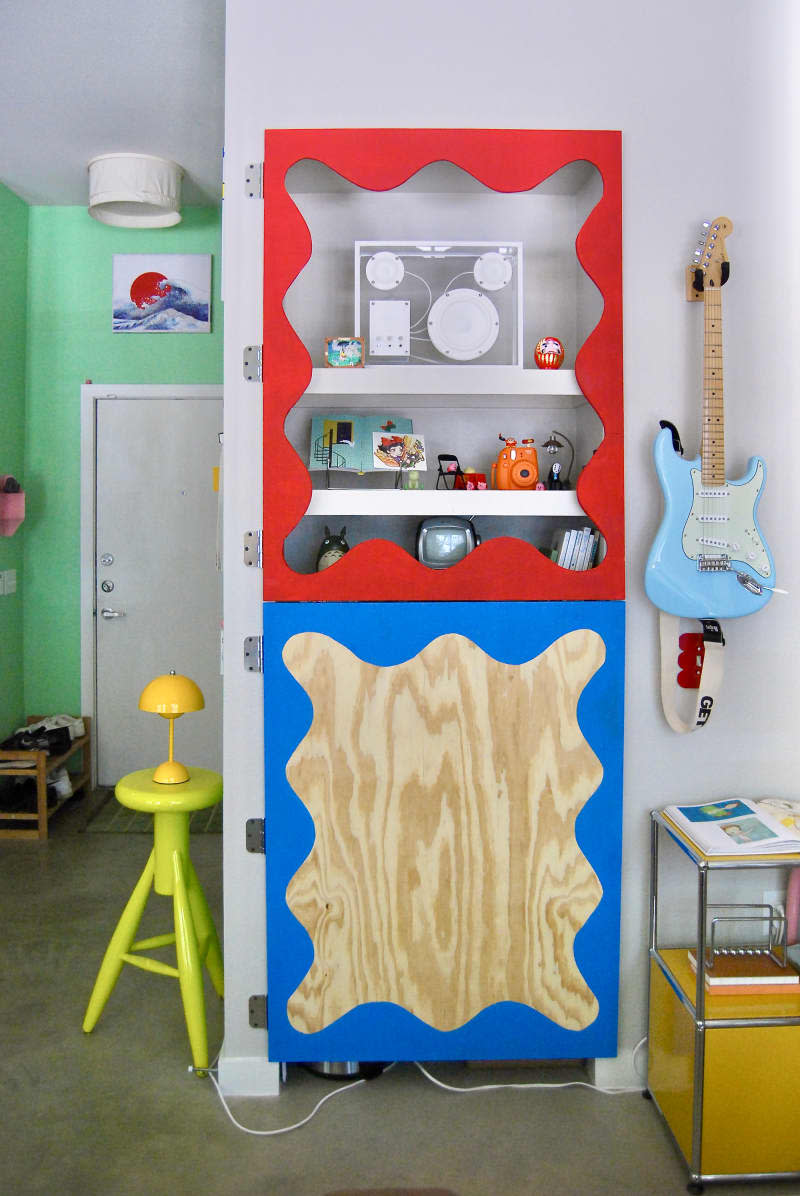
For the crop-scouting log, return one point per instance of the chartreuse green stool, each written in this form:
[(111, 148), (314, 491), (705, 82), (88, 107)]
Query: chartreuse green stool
[(170, 872)]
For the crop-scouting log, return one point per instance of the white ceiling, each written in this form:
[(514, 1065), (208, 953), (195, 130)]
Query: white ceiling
[(87, 77)]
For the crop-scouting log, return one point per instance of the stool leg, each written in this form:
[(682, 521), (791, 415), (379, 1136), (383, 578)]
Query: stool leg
[(206, 932), (190, 968), (120, 944)]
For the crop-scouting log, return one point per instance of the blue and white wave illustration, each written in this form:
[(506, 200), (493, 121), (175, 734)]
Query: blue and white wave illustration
[(178, 311)]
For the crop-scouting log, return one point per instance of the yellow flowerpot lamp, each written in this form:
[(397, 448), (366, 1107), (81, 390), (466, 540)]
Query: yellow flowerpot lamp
[(171, 695)]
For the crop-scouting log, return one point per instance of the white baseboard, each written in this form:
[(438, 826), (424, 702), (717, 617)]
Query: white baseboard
[(248, 1076), (618, 1072)]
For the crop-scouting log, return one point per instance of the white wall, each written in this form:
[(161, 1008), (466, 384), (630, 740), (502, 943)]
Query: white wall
[(702, 95)]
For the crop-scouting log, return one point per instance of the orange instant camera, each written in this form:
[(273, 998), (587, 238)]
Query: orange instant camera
[(517, 466)]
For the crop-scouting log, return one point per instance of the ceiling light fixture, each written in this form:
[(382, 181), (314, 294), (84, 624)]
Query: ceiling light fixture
[(135, 190)]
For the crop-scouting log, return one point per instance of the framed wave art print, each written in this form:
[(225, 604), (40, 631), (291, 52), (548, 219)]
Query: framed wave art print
[(161, 292)]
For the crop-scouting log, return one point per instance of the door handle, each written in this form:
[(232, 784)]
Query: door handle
[(108, 613)]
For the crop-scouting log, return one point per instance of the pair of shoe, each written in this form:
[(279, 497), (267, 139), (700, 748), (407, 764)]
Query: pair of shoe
[(73, 725), (59, 784)]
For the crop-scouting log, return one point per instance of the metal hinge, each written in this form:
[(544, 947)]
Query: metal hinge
[(254, 654), (257, 1011), (254, 180), (252, 549), (251, 363), (254, 836)]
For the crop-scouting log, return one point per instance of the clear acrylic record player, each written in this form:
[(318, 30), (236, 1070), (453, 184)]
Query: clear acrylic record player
[(439, 303)]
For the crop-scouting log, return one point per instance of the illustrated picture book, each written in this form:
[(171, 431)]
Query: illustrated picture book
[(343, 441), (734, 826)]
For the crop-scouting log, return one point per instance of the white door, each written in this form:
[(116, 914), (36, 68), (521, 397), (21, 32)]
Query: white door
[(158, 588)]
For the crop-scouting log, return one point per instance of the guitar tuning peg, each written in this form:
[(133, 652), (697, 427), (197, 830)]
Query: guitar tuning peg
[(706, 224)]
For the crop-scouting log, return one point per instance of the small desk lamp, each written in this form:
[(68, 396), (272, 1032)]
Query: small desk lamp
[(171, 695)]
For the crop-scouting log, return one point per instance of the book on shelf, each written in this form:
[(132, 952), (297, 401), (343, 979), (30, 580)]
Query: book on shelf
[(575, 548), (740, 975), (734, 826)]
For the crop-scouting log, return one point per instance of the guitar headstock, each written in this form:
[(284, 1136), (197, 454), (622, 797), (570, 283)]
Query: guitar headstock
[(710, 266)]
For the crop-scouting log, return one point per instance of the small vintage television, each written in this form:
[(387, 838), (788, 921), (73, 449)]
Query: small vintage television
[(445, 540)]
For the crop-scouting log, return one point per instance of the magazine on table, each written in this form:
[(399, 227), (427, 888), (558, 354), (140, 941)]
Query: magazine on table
[(734, 826)]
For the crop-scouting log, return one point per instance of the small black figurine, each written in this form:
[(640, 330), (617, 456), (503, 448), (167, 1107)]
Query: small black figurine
[(553, 478), (331, 549)]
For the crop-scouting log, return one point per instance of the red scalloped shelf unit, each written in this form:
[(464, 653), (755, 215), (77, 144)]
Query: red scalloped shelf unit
[(505, 161)]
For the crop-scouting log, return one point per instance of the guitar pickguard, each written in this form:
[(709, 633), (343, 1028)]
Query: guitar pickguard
[(721, 525)]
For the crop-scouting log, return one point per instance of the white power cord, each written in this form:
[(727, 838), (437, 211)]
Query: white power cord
[(636, 1050), (533, 1084), (287, 1129)]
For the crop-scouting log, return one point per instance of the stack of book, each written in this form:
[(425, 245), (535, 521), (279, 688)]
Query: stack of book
[(576, 548)]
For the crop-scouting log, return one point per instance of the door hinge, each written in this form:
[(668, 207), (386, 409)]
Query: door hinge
[(252, 549), (257, 1011), (251, 362), (254, 836), (254, 180), (253, 654)]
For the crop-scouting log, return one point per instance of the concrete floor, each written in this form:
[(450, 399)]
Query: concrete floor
[(117, 1112)]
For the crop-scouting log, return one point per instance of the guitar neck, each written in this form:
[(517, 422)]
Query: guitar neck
[(713, 436)]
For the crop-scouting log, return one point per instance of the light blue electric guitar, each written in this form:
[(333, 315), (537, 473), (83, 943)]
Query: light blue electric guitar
[(709, 559)]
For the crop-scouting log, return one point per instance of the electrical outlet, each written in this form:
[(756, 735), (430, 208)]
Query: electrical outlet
[(10, 581)]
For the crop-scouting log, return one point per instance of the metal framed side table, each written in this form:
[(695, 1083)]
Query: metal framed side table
[(723, 1069)]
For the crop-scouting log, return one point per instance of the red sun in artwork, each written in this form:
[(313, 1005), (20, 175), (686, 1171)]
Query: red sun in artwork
[(149, 288)]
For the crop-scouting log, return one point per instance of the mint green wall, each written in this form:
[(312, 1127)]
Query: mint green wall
[(13, 301), (69, 341)]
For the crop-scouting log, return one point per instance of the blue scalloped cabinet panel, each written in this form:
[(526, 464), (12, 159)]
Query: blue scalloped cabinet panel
[(443, 829)]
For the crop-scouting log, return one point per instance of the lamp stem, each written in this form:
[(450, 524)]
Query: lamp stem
[(171, 737), (572, 452)]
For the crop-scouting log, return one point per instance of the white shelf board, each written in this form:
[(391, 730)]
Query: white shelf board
[(445, 385), (541, 503)]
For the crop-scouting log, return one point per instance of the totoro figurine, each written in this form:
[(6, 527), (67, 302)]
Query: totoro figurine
[(332, 548)]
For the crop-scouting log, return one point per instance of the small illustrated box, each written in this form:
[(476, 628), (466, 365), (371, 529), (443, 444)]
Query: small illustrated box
[(470, 481), (344, 351)]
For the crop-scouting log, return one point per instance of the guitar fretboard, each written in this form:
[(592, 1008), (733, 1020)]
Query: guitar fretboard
[(713, 437)]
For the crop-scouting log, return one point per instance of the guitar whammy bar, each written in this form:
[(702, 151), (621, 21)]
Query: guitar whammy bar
[(709, 560)]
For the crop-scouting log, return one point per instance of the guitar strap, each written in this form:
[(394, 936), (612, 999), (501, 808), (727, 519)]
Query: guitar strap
[(710, 673)]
